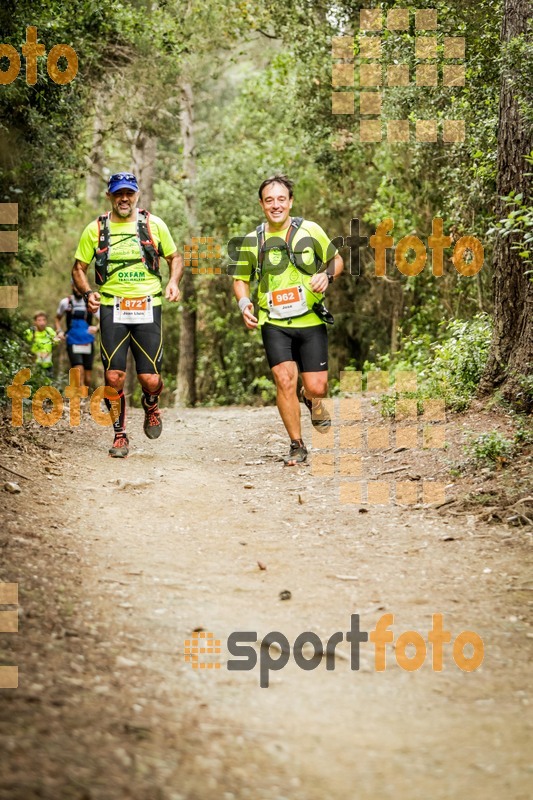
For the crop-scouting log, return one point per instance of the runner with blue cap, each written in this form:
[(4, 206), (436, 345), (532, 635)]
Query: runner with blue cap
[(127, 244)]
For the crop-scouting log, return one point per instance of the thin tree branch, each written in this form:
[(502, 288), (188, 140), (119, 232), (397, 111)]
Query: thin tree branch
[(268, 35)]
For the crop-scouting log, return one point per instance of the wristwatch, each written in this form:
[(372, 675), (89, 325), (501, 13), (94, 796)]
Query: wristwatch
[(331, 277), (86, 295)]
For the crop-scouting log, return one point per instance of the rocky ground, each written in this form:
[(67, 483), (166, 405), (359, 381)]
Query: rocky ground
[(119, 563)]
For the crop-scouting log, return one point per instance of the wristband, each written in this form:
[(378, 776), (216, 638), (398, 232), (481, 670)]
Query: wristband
[(244, 302)]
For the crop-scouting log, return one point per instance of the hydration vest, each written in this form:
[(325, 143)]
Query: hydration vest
[(148, 250), (77, 309), (295, 225), (262, 246), (78, 319)]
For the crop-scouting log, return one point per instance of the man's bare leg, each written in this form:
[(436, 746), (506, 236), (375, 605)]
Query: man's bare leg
[(115, 379), (315, 386), (152, 386), (286, 378)]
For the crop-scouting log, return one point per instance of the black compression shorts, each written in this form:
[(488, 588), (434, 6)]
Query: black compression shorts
[(307, 346), (145, 340), (84, 360)]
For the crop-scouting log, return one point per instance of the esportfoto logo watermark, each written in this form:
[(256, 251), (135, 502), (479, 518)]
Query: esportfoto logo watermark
[(9, 243), (432, 55), (31, 50), (342, 450), (410, 649), (410, 252), (47, 402), (9, 623)]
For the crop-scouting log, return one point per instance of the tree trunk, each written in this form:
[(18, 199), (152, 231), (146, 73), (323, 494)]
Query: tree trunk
[(186, 377), (511, 353), (95, 173), (143, 153), (396, 303)]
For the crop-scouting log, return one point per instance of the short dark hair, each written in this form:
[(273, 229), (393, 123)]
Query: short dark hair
[(276, 179)]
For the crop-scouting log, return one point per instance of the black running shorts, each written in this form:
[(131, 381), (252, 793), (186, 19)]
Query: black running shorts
[(307, 346), (84, 360), (145, 340)]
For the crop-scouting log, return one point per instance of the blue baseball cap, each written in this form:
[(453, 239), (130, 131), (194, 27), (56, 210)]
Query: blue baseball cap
[(122, 180)]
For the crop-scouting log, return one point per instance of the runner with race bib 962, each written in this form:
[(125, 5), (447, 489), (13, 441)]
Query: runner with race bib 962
[(294, 262)]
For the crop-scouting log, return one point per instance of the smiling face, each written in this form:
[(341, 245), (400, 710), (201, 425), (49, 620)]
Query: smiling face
[(276, 205), (123, 203)]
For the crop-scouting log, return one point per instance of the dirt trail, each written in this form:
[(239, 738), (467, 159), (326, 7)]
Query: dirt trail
[(148, 549)]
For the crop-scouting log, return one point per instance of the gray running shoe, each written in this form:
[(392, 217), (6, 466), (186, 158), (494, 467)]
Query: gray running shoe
[(297, 453), (320, 419), (120, 447), (152, 425)]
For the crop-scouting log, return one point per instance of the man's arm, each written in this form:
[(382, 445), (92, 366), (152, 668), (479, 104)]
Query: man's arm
[(59, 329), (81, 283), (335, 266), (320, 281), (53, 335), (175, 266), (241, 290)]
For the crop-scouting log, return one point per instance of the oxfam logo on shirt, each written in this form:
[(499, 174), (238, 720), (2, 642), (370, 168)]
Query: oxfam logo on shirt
[(132, 275)]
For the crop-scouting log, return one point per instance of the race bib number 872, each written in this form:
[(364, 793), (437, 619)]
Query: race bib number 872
[(133, 309)]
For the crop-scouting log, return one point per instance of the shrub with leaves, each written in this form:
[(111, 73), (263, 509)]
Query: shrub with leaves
[(450, 368), (490, 448)]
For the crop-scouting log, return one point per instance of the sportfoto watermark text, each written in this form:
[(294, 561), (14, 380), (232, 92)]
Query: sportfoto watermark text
[(410, 648)]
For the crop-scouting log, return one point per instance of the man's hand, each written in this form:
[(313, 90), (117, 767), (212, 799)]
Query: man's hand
[(93, 302), (60, 336), (319, 282), (172, 292), (248, 316), (92, 329)]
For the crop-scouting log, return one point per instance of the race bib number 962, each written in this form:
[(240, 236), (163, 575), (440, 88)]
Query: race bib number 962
[(286, 303)]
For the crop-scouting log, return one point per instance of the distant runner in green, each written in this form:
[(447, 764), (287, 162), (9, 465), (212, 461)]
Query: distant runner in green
[(294, 262), (41, 338), (127, 244)]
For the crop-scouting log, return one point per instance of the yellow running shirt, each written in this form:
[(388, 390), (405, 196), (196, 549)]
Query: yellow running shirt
[(134, 280), (308, 240)]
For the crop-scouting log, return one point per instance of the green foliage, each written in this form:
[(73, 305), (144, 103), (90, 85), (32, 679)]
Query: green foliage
[(524, 433), (518, 224), (456, 365), (490, 448), (450, 368), (15, 354), (263, 104)]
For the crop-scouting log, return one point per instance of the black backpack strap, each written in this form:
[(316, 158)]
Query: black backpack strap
[(68, 312), (296, 223), (151, 253), (260, 233), (101, 254), (295, 226)]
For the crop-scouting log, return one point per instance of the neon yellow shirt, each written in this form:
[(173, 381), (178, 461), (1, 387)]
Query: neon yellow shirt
[(42, 343), (134, 280), (308, 240)]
